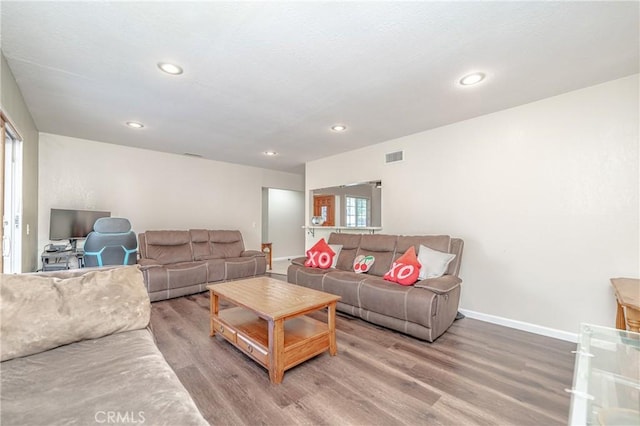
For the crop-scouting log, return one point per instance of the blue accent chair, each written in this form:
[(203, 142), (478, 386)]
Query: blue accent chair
[(112, 242)]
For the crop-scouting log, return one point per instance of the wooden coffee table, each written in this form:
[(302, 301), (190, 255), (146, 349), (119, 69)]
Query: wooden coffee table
[(269, 322)]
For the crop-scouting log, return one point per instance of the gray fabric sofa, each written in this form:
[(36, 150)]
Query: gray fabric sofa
[(75, 349), (425, 310), (177, 263)]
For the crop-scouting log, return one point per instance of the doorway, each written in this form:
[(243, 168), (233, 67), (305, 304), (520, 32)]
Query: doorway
[(282, 222), (324, 206), (11, 196)]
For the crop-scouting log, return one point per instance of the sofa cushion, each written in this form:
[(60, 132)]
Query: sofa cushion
[(307, 277), (215, 270), (242, 267), (41, 312), (380, 242), (176, 275), (343, 284), (433, 263), (167, 238), (226, 244), (320, 255), (403, 302), (85, 382), (436, 242), (405, 269), (168, 246), (200, 244), (349, 243), (382, 247)]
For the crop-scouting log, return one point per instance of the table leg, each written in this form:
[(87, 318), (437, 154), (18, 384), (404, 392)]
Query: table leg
[(331, 322), (276, 351), (633, 319), (620, 322), (213, 312)]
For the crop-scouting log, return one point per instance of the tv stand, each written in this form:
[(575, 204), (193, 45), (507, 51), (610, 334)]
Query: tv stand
[(57, 260), (60, 257)]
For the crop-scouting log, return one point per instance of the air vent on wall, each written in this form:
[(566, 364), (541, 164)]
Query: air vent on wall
[(393, 157)]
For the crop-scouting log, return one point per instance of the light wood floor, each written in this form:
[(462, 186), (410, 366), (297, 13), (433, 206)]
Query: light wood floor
[(476, 373)]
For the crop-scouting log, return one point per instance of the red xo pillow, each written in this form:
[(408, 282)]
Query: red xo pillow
[(405, 269), (320, 255)]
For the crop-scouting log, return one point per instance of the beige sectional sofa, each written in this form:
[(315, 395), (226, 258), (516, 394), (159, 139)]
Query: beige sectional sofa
[(177, 263), (424, 310), (75, 349)]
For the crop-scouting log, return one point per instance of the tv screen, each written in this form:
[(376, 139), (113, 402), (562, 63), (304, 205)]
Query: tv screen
[(73, 224)]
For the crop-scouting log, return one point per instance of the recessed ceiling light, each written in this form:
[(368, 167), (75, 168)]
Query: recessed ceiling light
[(270, 153), (470, 79), (135, 124), (172, 69), (339, 128)]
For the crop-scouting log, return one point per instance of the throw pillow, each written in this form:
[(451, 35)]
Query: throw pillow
[(433, 263), (405, 269), (320, 255), (363, 263), (44, 311), (337, 248)]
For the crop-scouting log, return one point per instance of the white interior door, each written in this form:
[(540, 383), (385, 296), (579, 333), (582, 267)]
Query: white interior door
[(12, 211)]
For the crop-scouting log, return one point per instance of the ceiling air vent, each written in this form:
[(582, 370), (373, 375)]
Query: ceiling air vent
[(393, 157)]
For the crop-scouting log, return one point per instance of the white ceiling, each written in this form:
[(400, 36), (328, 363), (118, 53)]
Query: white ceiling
[(276, 76)]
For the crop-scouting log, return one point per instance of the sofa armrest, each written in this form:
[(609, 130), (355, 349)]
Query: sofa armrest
[(252, 253), (145, 264), (298, 261), (440, 285)]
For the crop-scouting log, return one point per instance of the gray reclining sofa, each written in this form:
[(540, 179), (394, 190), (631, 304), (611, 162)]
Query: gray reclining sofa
[(424, 310), (178, 263)]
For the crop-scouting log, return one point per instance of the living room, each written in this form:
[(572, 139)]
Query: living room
[(545, 193)]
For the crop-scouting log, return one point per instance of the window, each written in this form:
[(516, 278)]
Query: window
[(356, 211)]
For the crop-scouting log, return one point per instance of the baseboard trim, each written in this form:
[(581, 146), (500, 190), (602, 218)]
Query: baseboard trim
[(287, 257), (521, 325)]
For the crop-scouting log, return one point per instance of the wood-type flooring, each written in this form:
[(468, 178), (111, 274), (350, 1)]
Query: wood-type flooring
[(475, 374)]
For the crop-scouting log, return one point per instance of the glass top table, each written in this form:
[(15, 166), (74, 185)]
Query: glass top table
[(606, 381)]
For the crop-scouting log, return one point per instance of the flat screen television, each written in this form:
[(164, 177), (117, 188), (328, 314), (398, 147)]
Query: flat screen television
[(73, 224)]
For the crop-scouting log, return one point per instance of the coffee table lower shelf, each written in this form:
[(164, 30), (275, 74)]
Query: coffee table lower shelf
[(304, 337)]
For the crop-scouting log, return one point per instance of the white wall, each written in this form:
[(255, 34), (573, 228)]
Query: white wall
[(545, 196), (285, 219), (153, 190)]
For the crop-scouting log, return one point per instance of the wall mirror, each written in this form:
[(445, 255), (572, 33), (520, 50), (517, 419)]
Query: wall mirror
[(357, 205)]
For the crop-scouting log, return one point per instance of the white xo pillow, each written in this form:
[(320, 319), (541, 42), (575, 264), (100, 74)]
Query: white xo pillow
[(433, 263)]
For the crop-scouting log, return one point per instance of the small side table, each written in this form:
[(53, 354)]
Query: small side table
[(266, 249), (56, 261), (628, 298)]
